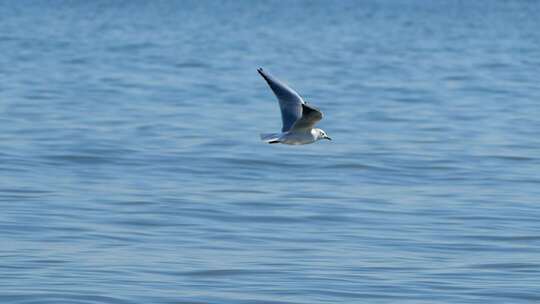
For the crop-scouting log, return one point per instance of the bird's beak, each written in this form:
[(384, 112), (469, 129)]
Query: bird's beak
[(328, 138)]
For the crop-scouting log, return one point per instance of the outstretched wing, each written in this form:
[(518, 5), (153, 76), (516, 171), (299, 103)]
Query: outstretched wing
[(310, 116), (290, 102)]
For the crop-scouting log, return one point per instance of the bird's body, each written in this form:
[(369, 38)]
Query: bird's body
[(293, 138), (299, 138), (298, 117)]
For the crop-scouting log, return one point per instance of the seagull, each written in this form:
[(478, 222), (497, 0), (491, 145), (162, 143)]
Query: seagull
[(298, 117)]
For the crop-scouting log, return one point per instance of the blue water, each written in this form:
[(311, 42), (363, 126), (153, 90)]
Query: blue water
[(131, 170)]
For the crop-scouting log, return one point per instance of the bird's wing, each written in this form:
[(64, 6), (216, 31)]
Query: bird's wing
[(290, 102), (310, 116)]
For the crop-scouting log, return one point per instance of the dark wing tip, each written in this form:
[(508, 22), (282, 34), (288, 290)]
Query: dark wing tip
[(263, 74)]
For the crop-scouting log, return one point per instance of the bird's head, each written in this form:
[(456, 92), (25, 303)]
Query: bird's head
[(322, 135)]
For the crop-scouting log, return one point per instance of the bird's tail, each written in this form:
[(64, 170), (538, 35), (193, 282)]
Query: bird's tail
[(270, 138)]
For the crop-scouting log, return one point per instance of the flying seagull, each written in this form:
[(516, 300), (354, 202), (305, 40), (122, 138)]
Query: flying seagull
[(298, 117)]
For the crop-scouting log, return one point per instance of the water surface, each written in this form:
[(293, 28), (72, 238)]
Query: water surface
[(131, 169)]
